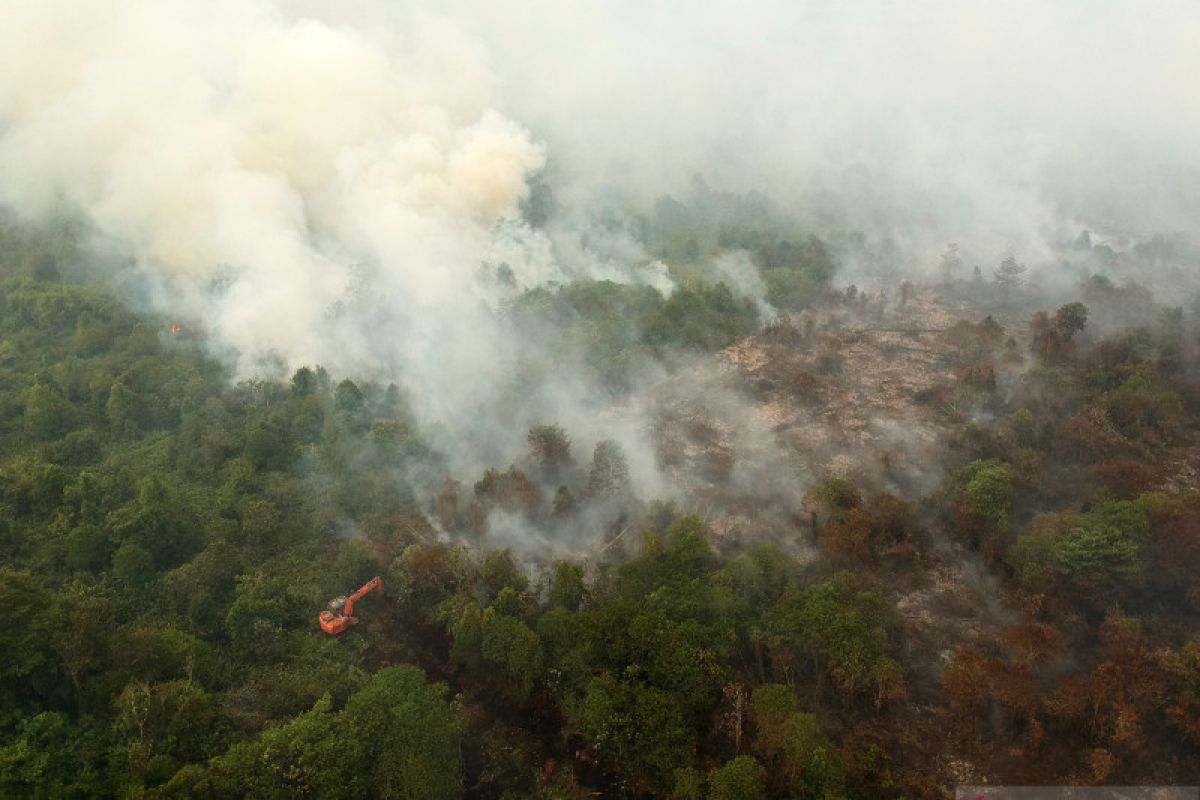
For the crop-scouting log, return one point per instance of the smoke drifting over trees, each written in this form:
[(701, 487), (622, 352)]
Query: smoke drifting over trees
[(325, 184), (737, 400)]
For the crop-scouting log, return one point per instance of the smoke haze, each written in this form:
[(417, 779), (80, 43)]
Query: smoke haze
[(992, 119), (340, 185)]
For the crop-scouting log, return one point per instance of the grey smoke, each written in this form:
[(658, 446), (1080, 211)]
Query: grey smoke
[(342, 183)]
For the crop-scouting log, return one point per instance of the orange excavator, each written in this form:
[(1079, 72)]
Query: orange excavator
[(339, 615)]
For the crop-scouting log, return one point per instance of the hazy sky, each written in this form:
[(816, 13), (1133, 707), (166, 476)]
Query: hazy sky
[(321, 182), (286, 149), (991, 120)]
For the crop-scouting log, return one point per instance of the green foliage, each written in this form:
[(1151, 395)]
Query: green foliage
[(837, 632), (513, 650), (163, 724), (796, 268), (609, 473), (550, 451), (139, 487), (47, 759), (640, 670), (407, 734), (616, 325), (264, 606), (987, 490), (674, 566), (566, 586), (267, 447), (741, 778), (689, 784), (634, 727), (1096, 551), (1022, 423), (500, 571), (304, 382), (133, 565), (705, 317), (1071, 318), (87, 548), (792, 742), (160, 524), (48, 415), (26, 614), (756, 577), (347, 398), (396, 737), (795, 273), (167, 538), (497, 647)]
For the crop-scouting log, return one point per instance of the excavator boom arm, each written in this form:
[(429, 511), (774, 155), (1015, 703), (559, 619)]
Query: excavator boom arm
[(374, 583)]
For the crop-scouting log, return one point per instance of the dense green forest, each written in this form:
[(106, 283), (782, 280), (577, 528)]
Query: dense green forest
[(167, 539), (422, 400)]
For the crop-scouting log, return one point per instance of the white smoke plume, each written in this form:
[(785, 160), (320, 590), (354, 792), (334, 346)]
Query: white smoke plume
[(266, 156), (306, 191), (990, 124), (263, 167), (341, 183)]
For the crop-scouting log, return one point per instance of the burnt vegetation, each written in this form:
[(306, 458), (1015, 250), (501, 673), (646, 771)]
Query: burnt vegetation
[(978, 560)]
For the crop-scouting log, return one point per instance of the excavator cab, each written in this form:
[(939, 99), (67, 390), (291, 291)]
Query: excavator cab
[(340, 613)]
